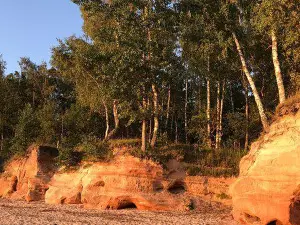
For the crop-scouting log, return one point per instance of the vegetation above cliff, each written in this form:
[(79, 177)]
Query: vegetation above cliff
[(203, 74)]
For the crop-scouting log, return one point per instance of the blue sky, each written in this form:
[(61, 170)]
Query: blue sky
[(31, 27)]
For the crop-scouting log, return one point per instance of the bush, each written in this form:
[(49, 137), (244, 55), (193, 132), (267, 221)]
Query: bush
[(223, 162), (26, 132), (163, 154), (69, 158), (223, 196), (131, 143), (94, 149), (204, 162)]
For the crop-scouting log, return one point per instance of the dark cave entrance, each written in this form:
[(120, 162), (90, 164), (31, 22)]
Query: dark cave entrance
[(177, 187), (274, 222), (126, 204)]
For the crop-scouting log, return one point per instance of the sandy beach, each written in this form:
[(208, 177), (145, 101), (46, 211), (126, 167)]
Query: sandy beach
[(22, 213)]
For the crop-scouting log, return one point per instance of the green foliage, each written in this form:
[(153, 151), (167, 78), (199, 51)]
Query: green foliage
[(94, 149), (236, 122), (47, 123), (129, 46), (26, 132), (2, 66), (197, 127), (73, 125), (69, 158), (289, 106), (223, 162), (223, 196), (130, 143), (204, 162)]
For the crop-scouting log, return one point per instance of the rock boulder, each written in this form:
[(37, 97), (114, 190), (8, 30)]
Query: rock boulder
[(270, 175), (27, 177)]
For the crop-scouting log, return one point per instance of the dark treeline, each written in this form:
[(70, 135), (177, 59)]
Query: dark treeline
[(207, 73)]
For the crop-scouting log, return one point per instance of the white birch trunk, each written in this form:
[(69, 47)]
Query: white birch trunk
[(257, 98), (156, 122), (281, 91)]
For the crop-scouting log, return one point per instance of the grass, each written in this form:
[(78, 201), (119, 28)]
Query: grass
[(115, 143), (195, 160), (291, 105), (210, 162), (204, 162)]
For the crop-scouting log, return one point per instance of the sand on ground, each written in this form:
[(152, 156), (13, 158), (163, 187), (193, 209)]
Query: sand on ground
[(39, 213)]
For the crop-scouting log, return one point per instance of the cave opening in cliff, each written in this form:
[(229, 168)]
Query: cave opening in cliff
[(295, 208), (15, 184), (126, 205), (275, 222), (177, 187)]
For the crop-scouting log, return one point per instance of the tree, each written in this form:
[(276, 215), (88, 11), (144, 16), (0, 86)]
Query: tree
[(27, 130), (2, 66), (268, 18), (257, 98), (138, 41), (2, 71), (80, 62)]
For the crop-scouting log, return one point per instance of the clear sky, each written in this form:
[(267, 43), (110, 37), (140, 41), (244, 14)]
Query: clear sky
[(31, 27)]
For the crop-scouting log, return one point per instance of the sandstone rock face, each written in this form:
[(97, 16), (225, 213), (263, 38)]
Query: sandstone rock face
[(269, 176), (126, 182), (65, 188), (27, 177), (8, 185), (211, 188)]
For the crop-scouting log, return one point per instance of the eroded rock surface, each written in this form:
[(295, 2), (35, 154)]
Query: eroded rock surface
[(210, 188), (27, 177), (126, 182), (269, 176)]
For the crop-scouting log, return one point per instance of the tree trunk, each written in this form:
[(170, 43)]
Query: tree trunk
[(276, 63), (168, 107), (33, 98), (107, 121), (185, 110), (221, 114), (246, 113), (247, 122), (208, 113), (171, 128), (144, 127), (218, 114), (199, 95), (150, 123), (257, 98), (61, 133), (208, 105), (231, 97), (116, 118), (150, 130), (176, 130), (156, 122), (200, 103), (2, 140)]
